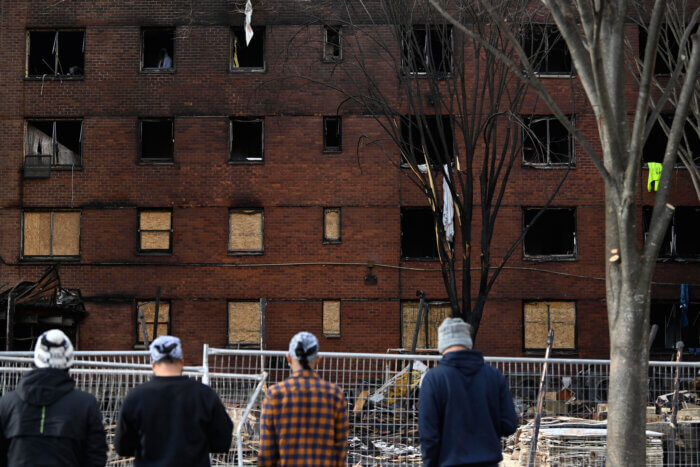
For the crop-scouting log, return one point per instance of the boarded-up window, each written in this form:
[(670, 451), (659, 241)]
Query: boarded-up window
[(331, 225), (149, 314), (540, 317), (155, 231), (244, 323), (245, 231), (427, 335), (52, 233), (331, 318)]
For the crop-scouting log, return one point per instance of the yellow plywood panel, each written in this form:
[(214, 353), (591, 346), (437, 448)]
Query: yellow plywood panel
[(244, 322), (409, 313), (562, 312), (149, 309), (155, 220), (245, 231), (66, 233), (37, 233), (536, 335), (331, 318), (331, 223), (560, 316), (155, 240), (536, 312), (436, 315)]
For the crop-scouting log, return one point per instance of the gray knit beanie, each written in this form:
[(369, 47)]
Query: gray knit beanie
[(454, 331), (53, 350)]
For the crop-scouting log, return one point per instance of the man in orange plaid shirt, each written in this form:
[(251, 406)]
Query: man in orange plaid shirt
[(304, 419)]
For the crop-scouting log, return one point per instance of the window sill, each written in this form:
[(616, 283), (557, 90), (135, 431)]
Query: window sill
[(416, 260), (155, 253), (248, 70), (332, 151), (438, 75), (159, 71), (242, 346), (555, 352), (532, 165), (245, 162), (54, 78), (677, 259), (332, 242), (331, 336), (140, 347), (156, 162), (553, 258), (332, 59), (31, 259), (246, 253), (555, 75)]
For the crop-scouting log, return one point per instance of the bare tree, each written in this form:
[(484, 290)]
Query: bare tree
[(595, 33)]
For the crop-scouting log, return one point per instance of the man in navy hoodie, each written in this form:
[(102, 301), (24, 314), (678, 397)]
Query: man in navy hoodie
[(465, 405)]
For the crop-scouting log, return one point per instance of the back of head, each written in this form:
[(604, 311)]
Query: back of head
[(166, 349), (454, 331), (304, 348), (53, 350)]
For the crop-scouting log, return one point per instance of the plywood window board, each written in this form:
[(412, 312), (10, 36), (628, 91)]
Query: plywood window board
[(437, 312), (245, 231), (51, 233), (331, 318), (149, 314), (155, 230), (331, 225), (244, 322), (539, 317)]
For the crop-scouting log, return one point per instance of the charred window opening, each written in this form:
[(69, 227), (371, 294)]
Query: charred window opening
[(546, 49), (247, 136), (158, 49), (331, 225), (675, 324), (54, 143), (56, 53), (54, 234), (155, 231), (245, 231), (553, 234), (427, 135), (427, 49), (540, 317), (681, 239), (332, 48), (434, 314), (149, 313), (668, 47), (245, 324), (546, 142), (247, 57), (332, 138), (331, 318), (655, 145), (418, 239), (156, 139)]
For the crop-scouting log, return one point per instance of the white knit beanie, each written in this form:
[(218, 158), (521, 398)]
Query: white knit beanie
[(454, 331), (53, 350)]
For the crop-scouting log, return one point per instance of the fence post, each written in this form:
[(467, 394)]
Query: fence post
[(205, 364)]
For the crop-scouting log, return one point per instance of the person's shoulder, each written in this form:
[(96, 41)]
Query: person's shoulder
[(331, 387)]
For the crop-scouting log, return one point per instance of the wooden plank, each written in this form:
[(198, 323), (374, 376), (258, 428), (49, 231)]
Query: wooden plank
[(37, 233)]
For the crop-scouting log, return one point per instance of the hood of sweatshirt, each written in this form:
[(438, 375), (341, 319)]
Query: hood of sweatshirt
[(44, 386), (468, 362)]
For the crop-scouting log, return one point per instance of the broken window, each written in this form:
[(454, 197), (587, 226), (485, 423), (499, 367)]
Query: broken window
[(674, 325), (247, 135), (418, 239), (332, 50), (149, 313), (553, 234), (55, 143), (681, 239), (546, 49), (331, 318), (427, 49), (54, 234), (247, 57), (655, 145), (332, 141), (156, 139), (331, 225), (55, 53), (245, 231), (540, 317), (546, 142), (433, 315), (245, 324), (427, 135), (155, 231), (158, 49), (668, 47)]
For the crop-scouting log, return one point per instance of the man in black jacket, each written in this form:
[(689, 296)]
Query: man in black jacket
[(46, 421), (172, 420)]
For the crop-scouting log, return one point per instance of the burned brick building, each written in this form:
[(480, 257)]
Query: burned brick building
[(149, 146)]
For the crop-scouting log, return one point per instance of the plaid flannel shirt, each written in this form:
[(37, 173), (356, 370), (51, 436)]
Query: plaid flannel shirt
[(304, 423)]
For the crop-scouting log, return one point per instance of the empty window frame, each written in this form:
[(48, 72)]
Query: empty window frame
[(675, 325), (540, 317), (552, 236), (332, 134), (546, 49), (51, 234), (156, 139), (245, 324), (247, 57), (427, 135), (427, 49), (418, 239), (681, 239), (55, 143), (247, 135), (158, 49), (332, 43), (331, 225), (245, 231), (668, 47), (433, 315), (55, 53), (149, 314), (331, 318), (655, 144), (155, 231), (546, 142)]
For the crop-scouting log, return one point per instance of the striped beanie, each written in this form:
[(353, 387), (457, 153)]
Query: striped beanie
[(53, 350)]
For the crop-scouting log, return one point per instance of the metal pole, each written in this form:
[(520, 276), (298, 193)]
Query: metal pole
[(540, 401), (205, 364), (155, 314), (9, 316)]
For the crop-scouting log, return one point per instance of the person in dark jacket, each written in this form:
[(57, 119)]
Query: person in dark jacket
[(46, 421), (172, 420), (465, 406)]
